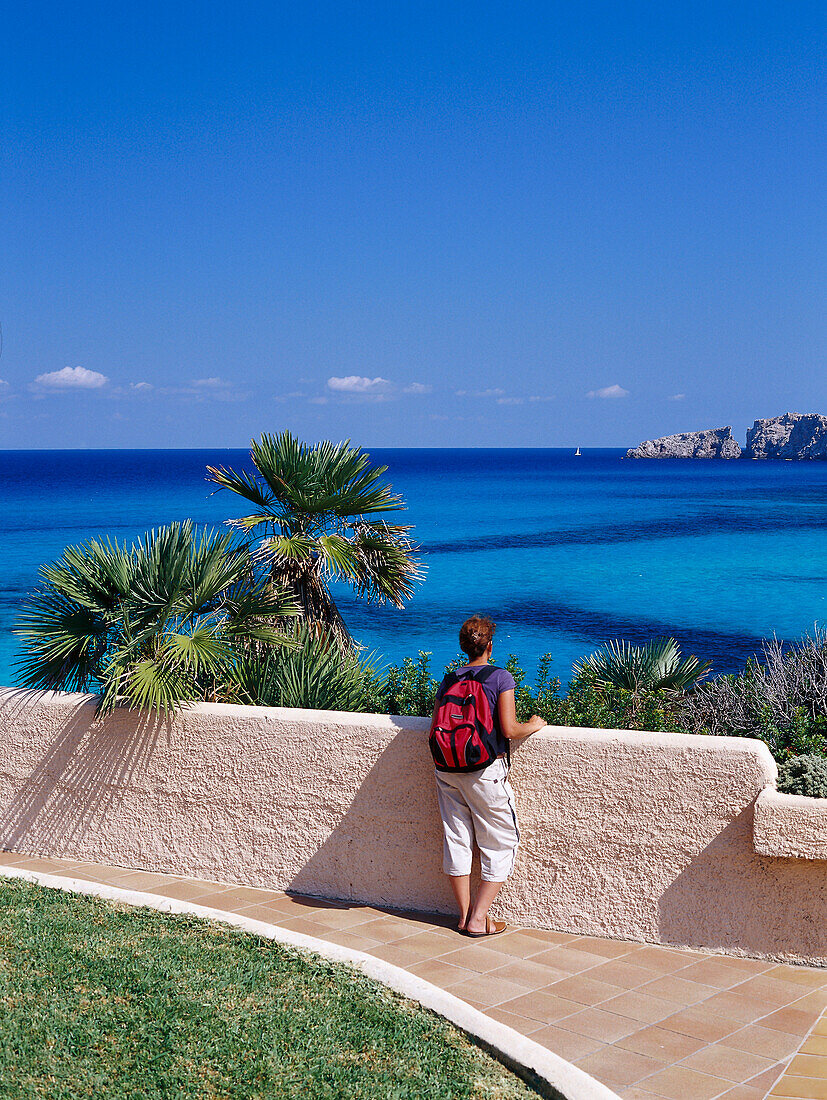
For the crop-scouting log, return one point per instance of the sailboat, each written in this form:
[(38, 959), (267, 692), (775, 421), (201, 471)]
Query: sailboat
[(577, 453)]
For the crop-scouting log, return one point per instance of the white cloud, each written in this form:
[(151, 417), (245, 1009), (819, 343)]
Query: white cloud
[(609, 391), (295, 395), (355, 383), (201, 390), (211, 383), (459, 419), (677, 397), (480, 393), (141, 387), (358, 387), (537, 397), (71, 378), (510, 400)]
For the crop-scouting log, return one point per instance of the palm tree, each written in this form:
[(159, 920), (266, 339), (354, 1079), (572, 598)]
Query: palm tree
[(151, 625), (318, 520), (656, 666)]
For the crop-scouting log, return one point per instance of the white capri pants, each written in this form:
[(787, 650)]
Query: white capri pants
[(478, 806)]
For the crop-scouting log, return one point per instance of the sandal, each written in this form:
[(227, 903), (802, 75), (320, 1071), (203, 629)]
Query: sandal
[(492, 928)]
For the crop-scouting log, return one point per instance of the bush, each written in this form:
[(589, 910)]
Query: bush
[(781, 700), (407, 689), (806, 774), (588, 704), (544, 699)]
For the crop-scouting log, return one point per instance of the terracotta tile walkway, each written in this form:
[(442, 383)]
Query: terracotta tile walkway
[(806, 1075), (650, 1022)]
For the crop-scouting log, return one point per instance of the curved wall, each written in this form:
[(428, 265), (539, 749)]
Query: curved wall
[(636, 835)]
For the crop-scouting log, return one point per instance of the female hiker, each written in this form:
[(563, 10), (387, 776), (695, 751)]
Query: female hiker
[(474, 718)]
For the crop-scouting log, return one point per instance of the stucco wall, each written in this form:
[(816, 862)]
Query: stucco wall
[(790, 825), (647, 836)]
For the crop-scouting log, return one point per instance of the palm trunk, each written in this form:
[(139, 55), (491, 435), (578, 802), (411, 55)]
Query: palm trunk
[(316, 605)]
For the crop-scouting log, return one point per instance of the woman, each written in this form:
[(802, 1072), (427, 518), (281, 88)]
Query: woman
[(479, 805)]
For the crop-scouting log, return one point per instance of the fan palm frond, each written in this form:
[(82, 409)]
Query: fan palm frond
[(285, 549), (656, 666), (155, 683), (313, 675), (388, 569), (200, 649), (148, 625), (245, 484)]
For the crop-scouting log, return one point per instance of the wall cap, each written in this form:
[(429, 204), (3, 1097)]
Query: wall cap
[(743, 746), (790, 825)]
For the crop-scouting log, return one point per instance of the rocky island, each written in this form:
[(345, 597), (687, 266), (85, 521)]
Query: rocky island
[(713, 443), (791, 436)]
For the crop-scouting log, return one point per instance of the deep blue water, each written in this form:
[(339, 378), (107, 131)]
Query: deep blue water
[(563, 552)]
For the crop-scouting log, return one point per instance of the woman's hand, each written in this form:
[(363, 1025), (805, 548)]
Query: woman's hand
[(507, 713)]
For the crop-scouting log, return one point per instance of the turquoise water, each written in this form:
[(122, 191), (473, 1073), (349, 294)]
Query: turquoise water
[(563, 552)]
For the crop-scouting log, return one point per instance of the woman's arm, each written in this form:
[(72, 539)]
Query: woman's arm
[(507, 713)]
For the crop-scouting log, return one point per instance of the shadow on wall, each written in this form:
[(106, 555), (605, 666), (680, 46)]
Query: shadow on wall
[(71, 790), (368, 856), (730, 898)]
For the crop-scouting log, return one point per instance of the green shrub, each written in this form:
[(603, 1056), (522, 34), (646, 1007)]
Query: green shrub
[(544, 699), (592, 705), (806, 774), (314, 675), (408, 689)]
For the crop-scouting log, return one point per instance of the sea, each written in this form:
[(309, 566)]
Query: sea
[(564, 552)]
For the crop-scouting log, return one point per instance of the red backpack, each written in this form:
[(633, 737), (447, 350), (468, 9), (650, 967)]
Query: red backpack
[(463, 737)]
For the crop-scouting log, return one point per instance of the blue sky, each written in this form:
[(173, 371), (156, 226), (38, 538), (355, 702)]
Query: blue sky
[(415, 225)]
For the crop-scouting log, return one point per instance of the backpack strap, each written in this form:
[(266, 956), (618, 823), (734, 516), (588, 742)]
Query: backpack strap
[(486, 674), (448, 682)]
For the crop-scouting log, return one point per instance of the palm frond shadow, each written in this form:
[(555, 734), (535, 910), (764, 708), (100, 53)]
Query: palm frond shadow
[(98, 761)]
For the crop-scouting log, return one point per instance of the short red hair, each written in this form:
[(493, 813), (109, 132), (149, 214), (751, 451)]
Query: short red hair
[(475, 636)]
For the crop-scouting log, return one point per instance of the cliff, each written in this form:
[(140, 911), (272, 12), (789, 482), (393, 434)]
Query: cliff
[(713, 443), (789, 436)]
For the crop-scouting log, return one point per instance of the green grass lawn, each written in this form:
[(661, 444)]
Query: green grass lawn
[(101, 1000)]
